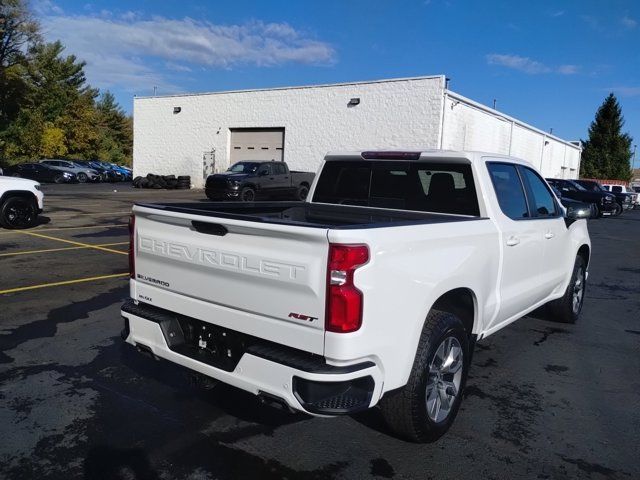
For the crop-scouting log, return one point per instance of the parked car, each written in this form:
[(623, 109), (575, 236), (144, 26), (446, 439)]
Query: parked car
[(605, 202), (372, 291), (21, 201), (82, 173), (118, 175), (41, 173), (254, 180), (623, 199), (618, 190), (126, 172)]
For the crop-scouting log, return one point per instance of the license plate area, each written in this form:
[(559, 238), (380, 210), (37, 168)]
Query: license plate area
[(216, 346)]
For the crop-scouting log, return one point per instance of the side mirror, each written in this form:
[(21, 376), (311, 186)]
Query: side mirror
[(576, 213)]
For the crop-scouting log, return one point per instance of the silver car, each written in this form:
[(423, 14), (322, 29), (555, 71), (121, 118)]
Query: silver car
[(84, 173)]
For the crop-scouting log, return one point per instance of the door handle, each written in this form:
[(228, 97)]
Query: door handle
[(549, 235), (512, 241)]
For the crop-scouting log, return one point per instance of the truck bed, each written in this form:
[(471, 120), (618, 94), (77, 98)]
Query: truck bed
[(310, 214)]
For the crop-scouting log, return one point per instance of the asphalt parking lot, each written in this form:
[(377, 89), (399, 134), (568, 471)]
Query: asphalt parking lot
[(543, 400)]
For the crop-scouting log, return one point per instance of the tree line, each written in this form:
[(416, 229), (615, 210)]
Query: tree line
[(47, 108)]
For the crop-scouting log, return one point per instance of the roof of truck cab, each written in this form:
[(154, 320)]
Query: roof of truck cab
[(427, 154)]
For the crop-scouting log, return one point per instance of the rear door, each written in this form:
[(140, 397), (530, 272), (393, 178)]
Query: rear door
[(282, 179), (261, 279)]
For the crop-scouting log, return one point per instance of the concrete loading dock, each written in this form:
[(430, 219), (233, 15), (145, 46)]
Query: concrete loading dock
[(197, 134)]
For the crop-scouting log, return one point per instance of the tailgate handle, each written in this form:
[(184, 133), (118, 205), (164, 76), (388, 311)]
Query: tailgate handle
[(210, 228)]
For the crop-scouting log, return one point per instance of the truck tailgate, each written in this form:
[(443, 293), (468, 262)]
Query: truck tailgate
[(261, 279)]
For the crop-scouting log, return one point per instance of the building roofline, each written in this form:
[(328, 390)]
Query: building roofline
[(300, 87), (508, 118)]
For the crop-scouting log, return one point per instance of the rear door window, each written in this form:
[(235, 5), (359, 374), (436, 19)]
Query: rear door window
[(509, 190)]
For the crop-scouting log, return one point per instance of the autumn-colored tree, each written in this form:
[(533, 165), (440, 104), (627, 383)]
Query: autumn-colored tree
[(47, 107)]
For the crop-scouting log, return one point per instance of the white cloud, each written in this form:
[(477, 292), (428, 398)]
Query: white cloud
[(568, 69), (557, 13), (121, 49), (528, 65), (629, 22), (46, 7), (625, 91), (516, 62)]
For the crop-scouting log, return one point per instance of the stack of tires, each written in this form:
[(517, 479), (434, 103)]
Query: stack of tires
[(168, 182)]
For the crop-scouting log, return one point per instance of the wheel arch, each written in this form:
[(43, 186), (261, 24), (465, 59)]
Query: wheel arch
[(17, 193), (461, 302), (585, 252)]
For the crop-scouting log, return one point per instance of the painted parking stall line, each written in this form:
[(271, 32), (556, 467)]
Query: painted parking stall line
[(80, 244), (85, 227), (62, 249), (64, 282)]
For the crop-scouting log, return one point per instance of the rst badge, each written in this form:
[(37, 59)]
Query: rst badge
[(301, 316)]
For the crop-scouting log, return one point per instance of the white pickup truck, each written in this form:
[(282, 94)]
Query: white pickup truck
[(371, 292)]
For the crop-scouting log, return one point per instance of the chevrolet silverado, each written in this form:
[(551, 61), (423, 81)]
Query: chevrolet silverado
[(371, 292)]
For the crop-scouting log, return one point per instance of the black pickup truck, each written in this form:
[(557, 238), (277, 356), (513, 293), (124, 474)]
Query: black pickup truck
[(603, 201), (258, 180)]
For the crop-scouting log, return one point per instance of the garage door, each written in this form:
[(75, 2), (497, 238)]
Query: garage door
[(257, 144)]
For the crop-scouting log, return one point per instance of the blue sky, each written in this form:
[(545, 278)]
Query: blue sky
[(550, 63)]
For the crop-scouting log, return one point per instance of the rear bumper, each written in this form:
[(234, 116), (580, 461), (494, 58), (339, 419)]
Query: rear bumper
[(301, 380)]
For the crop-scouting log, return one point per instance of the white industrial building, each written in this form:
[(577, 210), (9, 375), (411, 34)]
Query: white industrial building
[(196, 134)]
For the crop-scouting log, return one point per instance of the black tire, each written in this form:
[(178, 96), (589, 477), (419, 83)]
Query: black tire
[(58, 179), (617, 210), (302, 193), (247, 194), (564, 309), (82, 177), (18, 212), (598, 212), (185, 178), (405, 409)]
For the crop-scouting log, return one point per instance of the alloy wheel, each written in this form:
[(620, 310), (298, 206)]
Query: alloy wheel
[(444, 379), (578, 291)]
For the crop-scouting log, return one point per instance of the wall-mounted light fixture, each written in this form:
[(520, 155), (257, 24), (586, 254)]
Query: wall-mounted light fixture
[(353, 102), (177, 110)]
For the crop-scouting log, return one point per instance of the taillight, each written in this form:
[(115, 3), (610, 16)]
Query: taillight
[(132, 244), (344, 300)]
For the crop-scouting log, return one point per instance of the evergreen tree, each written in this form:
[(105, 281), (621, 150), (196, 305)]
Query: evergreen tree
[(607, 153)]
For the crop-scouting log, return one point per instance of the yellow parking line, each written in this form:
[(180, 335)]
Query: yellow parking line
[(125, 212), (66, 282), (80, 244), (87, 227), (48, 250)]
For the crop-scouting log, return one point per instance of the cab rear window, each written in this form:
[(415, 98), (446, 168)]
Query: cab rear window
[(416, 186)]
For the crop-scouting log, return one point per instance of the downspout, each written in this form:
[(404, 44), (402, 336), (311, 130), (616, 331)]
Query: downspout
[(444, 104), (544, 140), (511, 137)]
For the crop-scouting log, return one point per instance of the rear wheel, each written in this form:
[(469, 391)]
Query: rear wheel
[(303, 191), (18, 212), (425, 408), (567, 308), (82, 177)]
